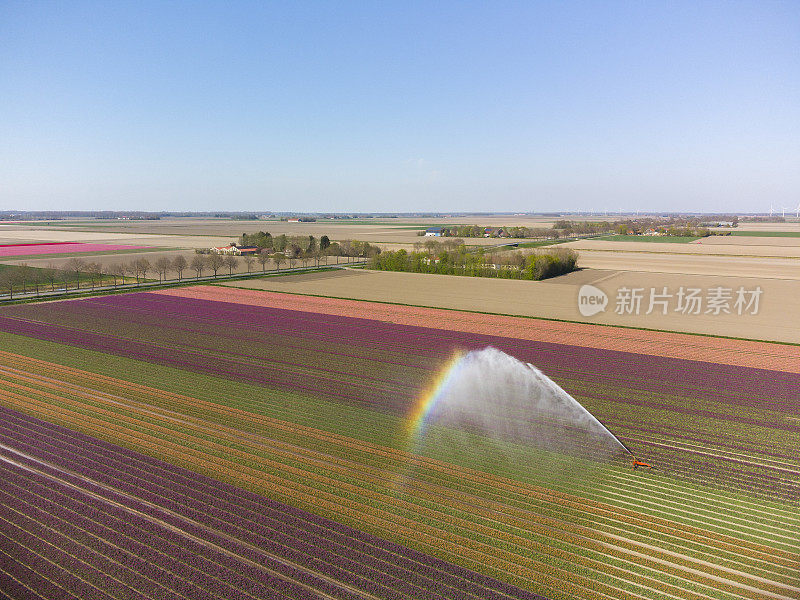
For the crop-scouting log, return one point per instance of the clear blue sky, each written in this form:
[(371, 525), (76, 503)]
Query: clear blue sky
[(379, 106)]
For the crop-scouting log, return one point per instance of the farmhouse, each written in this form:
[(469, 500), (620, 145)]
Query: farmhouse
[(235, 250), (433, 232)]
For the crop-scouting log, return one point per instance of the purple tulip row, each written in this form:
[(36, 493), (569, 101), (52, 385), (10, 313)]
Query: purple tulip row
[(127, 522), (386, 367), (153, 313)]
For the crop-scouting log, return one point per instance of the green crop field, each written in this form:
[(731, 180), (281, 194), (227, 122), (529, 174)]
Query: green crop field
[(766, 233)]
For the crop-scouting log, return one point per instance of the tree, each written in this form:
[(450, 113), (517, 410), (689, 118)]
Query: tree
[(125, 269), (215, 263), (50, 274), (278, 258), (263, 258), (140, 267), (113, 270), (162, 265), (76, 266), (231, 262), (95, 271), (179, 265), (279, 243), (8, 279), (198, 264), (249, 260), (25, 275), (324, 242)]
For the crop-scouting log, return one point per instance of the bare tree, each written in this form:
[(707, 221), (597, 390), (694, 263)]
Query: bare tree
[(179, 265), (125, 269), (140, 267), (95, 271), (113, 270), (162, 265), (50, 274), (278, 257), (198, 264), (215, 262), (77, 266), (8, 279), (249, 260), (263, 258), (25, 275), (231, 262)]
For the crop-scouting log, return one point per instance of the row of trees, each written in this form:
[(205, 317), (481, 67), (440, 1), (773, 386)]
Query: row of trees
[(560, 229), (479, 231), (77, 273), (533, 265)]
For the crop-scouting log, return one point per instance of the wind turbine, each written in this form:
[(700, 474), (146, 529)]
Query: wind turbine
[(771, 210)]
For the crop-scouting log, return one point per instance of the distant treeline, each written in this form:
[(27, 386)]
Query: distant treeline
[(560, 229), (77, 273), (444, 260)]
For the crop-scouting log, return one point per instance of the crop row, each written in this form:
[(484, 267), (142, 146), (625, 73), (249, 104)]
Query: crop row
[(279, 468), (220, 339), (187, 405), (202, 531), (741, 353), (151, 313), (247, 419)]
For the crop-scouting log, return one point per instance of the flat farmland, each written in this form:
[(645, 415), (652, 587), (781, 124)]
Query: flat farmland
[(558, 298), (16, 234), (189, 232), (764, 267), (706, 247), (215, 434)]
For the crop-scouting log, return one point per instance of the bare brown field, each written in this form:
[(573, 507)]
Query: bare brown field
[(557, 298), (742, 240), (702, 247), (103, 259), (657, 343), (693, 264), (791, 224), (19, 234)]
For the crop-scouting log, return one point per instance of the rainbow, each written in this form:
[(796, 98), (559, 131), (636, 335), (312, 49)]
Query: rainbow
[(416, 420)]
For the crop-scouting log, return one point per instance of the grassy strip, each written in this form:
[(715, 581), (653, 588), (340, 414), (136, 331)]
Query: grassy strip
[(766, 233)]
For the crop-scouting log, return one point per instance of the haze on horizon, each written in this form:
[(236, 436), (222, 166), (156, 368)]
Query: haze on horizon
[(390, 107)]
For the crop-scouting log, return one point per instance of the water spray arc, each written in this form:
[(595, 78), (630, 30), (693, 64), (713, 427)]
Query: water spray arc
[(594, 419), (489, 395)]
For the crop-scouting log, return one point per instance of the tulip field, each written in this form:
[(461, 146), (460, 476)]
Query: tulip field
[(210, 442)]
